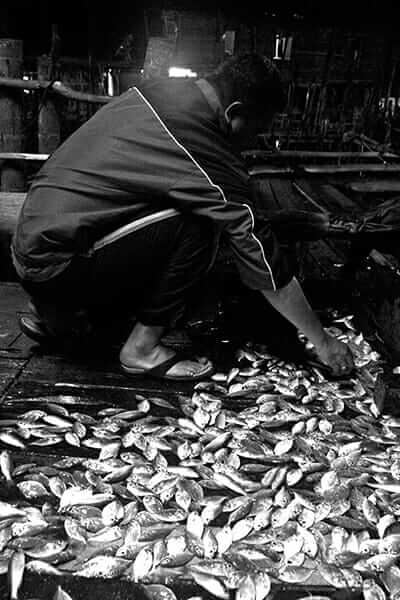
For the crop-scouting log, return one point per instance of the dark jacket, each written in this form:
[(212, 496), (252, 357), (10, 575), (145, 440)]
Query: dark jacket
[(155, 148)]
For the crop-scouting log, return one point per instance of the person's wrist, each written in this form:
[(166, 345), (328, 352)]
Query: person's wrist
[(320, 339)]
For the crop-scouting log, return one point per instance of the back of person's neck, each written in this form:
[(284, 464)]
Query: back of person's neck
[(211, 96), (223, 90)]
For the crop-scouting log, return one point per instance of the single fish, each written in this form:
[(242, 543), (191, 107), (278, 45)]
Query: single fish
[(142, 564), (246, 589), (113, 513), (391, 580), (6, 467), (372, 590), (42, 568), (295, 574), (11, 439), (32, 490), (159, 592), (47, 550), (61, 594), (16, 569), (107, 567), (211, 584)]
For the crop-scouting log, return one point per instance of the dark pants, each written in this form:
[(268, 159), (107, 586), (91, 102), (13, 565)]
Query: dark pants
[(148, 273)]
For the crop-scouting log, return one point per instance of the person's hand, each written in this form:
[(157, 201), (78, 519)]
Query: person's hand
[(335, 354)]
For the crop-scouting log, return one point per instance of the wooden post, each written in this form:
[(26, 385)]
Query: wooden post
[(49, 136), (325, 80), (11, 130)]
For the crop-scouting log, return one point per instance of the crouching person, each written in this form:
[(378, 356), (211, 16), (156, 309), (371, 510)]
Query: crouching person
[(126, 217)]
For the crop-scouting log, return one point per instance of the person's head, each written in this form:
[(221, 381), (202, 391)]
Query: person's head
[(251, 92)]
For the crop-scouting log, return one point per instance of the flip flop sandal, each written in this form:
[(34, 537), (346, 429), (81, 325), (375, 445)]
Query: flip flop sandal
[(34, 330), (160, 371), (37, 331)]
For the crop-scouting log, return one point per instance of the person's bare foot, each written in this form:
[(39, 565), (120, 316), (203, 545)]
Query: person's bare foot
[(143, 351)]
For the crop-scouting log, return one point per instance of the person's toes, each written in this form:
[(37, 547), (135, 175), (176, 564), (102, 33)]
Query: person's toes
[(189, 367)]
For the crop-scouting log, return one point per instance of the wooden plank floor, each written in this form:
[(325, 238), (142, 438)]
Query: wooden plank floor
[(25, 365)]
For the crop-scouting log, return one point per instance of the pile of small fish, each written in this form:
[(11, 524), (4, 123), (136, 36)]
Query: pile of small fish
[(266, 475)]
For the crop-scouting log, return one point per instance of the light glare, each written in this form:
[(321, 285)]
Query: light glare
[(181, 72)]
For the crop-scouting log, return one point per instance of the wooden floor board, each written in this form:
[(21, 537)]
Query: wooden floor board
[(376, 186), (91, 374), (9, 331), (339, 200), (13, 303), (327, 197), (88, 398), (9, 370), (12, 298), (327, 253), (80, 588), (264, 198), (49, 371), (286, 195)]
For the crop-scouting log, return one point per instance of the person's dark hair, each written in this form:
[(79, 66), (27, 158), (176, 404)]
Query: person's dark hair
[(253, 79)]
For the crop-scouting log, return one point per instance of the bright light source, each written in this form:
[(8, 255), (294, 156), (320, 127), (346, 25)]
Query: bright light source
[(26, 78), (181, 72)]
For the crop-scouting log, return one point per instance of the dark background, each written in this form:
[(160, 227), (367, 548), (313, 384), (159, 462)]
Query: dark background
[(96, 28)]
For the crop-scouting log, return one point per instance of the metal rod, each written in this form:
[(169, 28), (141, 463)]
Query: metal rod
[(299, 189)]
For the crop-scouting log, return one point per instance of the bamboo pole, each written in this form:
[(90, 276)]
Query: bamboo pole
[(11, 130), (325, 80), (54, 87), (49, 131)]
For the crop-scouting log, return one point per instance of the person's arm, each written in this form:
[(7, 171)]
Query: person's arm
[(291, 302), (230, 210)]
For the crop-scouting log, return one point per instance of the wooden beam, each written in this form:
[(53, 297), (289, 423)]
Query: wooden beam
[(11, 113), (266, 170), (85, 62), (375, 187), (10, 205), (303, 154), (287, 196), (350, 168), (57, 87), (325, 196), (22, 156), (263, 197), (300, 187), (49, 125)]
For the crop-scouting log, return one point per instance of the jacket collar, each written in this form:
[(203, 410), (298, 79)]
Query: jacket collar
[(213, 100)]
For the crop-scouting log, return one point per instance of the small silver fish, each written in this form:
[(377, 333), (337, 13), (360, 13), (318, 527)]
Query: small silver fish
[(107, 567), (213, 585), (11, 439), (16, 570), (6, 466)]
